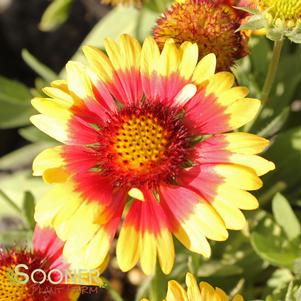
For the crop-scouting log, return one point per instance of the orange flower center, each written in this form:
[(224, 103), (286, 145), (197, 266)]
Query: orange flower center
[(140, 142)]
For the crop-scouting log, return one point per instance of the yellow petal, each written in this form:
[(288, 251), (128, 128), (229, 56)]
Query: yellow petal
[(99, 62), (128, 248), (150, 55), (231, 215), (189, 59), (54, 128), (193, 290), (239, 198), (221, 295), (130, 50), (169, 59), (175, 292), (69, 208), (239, 176), (231, 95), (50, 108), (238, 298), (204, 69), (190, 236), (260, 165), (209, 222), (166, 252), (148, 253), (76, 244), (245, 143), (60, 84), (113, 51), (49, 158), (207, 291), (78, 80), (242, 111), (136, 194), (97, 250), (67, 224), (55, 175), (219, 83), (48, 206), (59, 96)]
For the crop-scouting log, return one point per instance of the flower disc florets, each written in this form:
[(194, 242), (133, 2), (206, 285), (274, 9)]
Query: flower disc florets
[(12, 285), (210, 24), (144, 144)]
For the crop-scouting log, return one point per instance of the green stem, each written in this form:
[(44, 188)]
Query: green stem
[(158, 285), (268, 84), (10, 201), (269, 80)]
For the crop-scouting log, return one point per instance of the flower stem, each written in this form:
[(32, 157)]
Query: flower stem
[(268, 84), (158, 285), (8, 200), (269, 80)]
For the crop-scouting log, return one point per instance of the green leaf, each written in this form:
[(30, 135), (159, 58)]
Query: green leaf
[(28, 208), (22, 157), (285, 216), (145, 22), (46, 73), (13, 92), (32, 134), (285, 152), (276, 124), (14, 185), (255, 22), (12, 116), (55, 15), (250, 10), (270, 250), (9, 201), (122, 19)]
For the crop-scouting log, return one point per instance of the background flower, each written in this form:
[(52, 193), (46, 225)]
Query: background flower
[(195, 292), (46, 255), (211, 25)]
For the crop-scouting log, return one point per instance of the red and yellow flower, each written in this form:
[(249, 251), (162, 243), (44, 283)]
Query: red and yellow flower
[(212, 25), (46, 256), (196, 292), (145, 140)]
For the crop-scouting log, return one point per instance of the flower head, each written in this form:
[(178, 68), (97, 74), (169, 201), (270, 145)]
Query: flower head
[(279, 18), (210, 24), (144, 138), (46, 256), (195, 292)]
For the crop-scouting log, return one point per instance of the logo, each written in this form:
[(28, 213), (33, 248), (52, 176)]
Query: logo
[(20, 276)]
